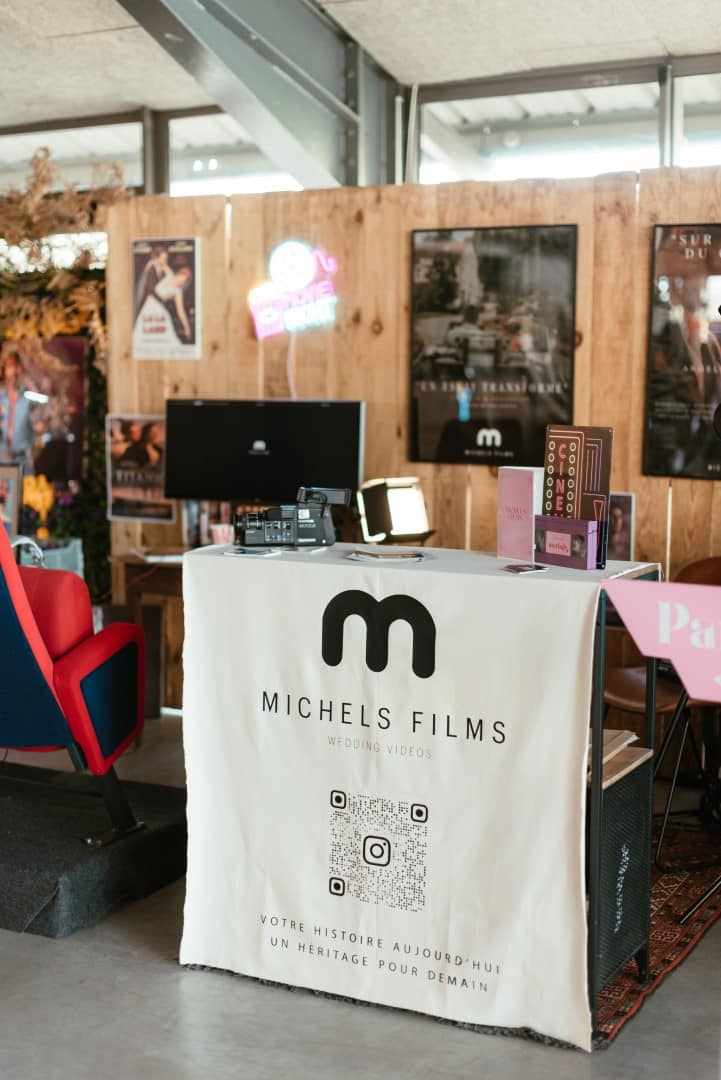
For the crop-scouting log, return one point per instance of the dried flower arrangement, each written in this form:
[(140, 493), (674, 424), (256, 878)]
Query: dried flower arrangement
[(46, 301)]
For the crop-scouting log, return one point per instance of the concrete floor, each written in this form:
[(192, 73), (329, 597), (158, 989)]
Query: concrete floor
[(111, 1002)]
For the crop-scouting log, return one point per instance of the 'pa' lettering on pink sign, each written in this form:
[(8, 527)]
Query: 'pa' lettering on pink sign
[(680, 623)]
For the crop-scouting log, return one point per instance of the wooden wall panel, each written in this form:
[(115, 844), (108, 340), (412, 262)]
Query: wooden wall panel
[(366, 354), (462, 499), (358, 356), (246, 268), (143, 386)]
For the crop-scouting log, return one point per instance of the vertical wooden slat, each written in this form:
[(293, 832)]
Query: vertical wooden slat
[(243, 367), (367, 356), (444, 485), (612, 342), (659, 202), (573, 204)]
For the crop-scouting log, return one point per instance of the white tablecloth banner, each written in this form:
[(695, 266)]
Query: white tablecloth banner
[(386, 781)]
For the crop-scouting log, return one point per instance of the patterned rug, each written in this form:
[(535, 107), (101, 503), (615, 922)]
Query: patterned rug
[(672, 893)]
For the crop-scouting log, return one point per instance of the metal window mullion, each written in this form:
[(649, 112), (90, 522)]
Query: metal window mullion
[(156, 151), (665, 115), (677, 119), (353, 134), (413, 137)]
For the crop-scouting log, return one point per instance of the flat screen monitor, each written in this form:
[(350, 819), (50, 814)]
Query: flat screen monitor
[(263, 451)]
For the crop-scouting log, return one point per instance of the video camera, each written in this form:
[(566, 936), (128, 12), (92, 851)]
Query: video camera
[(307, 522)]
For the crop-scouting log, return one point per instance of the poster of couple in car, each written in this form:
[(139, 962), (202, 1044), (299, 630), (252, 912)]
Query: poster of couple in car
[(166, 299), (492, 342)]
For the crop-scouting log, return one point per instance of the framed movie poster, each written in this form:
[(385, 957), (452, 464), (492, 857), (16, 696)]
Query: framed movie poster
[(683, 382), (135, 453), (492, 342), (621, 525), (42, 396), (166, 299)]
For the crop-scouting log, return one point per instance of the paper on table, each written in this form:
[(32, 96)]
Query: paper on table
[(259, 552), (390, 556)]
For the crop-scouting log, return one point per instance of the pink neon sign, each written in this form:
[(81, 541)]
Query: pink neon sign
[(680, 623), (300, 293)]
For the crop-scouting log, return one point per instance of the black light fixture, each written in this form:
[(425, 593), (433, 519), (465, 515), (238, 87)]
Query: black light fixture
[(393, 510)]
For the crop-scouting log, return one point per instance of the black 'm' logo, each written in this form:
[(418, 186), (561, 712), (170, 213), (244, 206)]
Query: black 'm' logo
[(378, 616)]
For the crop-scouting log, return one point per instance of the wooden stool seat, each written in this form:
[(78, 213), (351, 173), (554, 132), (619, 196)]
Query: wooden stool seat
[(626, 690)]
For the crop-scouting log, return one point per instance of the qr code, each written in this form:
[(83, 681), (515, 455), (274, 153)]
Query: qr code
[(378, 850)]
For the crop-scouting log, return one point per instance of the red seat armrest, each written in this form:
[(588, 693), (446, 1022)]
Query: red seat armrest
[(100, 685)]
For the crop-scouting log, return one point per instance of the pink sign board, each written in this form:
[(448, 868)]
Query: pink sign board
[(680, 623), (299, 294)]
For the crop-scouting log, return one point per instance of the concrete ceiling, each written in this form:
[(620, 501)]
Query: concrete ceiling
[(428, 41), (71, 58), (79, 58)]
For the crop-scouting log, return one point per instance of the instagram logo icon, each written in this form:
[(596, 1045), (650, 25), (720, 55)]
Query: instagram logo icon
[(376, 850)]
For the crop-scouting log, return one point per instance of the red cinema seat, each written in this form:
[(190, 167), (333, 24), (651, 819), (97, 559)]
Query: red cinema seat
[(64, 686)]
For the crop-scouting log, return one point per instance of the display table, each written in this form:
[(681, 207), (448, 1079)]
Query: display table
[(386, 772)]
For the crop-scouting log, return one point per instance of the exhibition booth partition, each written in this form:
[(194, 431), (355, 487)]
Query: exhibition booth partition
[(399, 298), (365, 354)]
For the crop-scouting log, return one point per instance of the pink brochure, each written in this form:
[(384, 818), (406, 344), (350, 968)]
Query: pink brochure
[(680, 623), (520, 493)]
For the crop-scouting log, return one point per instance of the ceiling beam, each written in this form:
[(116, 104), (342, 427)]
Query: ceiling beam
[(134, 117), (571, 77), (298, 135)]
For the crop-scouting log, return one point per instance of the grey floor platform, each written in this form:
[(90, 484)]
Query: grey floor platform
[(111, 1002), (54, 883)]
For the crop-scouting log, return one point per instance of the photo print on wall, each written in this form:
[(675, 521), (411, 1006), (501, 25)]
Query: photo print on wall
[(42, 400), (492, 342), (135, 448), (166, 298), (621, 525), (683, 381)]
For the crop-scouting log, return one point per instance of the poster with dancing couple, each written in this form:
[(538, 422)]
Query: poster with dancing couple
[(166, 299), (683, 385)]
